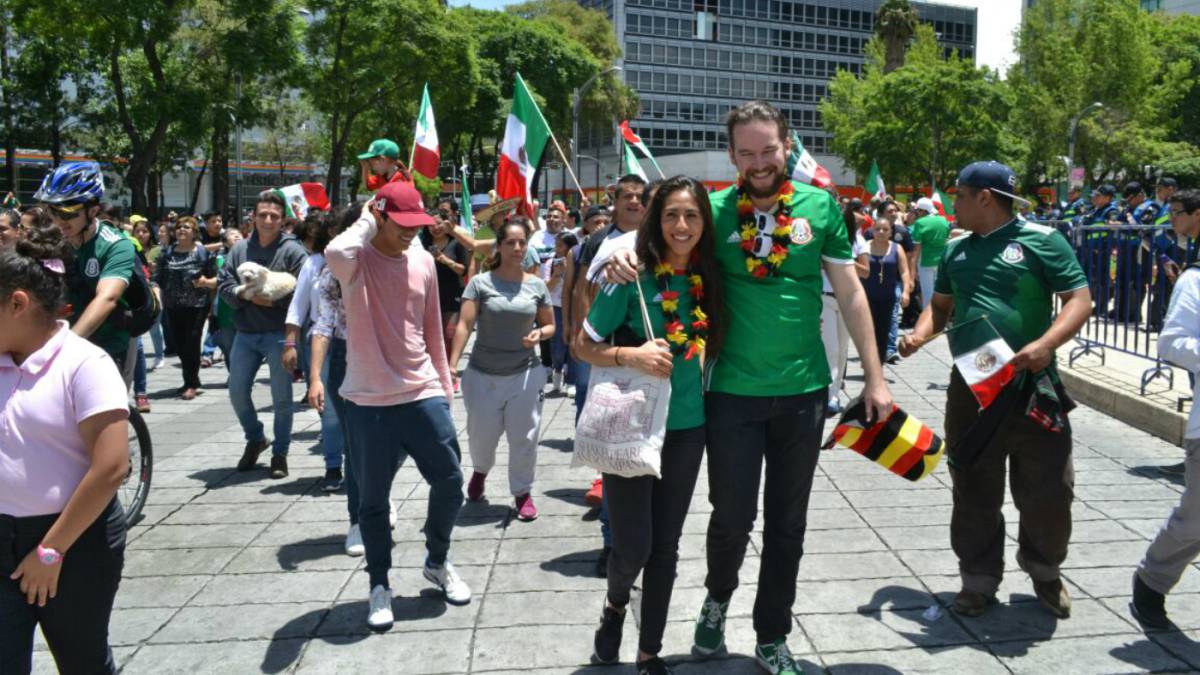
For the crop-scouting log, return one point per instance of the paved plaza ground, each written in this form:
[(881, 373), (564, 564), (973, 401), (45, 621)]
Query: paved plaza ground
[(235, 573)]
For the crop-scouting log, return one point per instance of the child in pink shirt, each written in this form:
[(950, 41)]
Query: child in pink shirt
[(64, 451), (397, 385)]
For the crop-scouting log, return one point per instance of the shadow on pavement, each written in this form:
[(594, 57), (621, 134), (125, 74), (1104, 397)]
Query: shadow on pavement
[(290, 556), (1155, 472), (1147, 655), (574, 564), (569, 495), (560, 444)]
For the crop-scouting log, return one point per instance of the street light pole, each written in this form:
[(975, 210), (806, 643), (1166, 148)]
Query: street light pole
[(577, 100), (1075, 127)]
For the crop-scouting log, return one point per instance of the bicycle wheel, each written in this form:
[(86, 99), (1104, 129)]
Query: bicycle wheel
[(136, 486)]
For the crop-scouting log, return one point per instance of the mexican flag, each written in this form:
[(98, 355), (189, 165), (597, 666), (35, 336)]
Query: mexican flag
[(874, 186), (630, 165), (636, 141), (943, 203), (426, 155), (464, 202), (802, 167), (525, 137), (302, 197), (982, 358)]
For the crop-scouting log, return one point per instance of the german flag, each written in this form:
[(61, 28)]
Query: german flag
[(900, 443)]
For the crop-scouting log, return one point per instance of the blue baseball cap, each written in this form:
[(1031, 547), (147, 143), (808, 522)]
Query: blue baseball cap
[(991, 175)]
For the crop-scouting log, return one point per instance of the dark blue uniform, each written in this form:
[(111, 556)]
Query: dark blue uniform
[(1134, 261), (1095, 255)]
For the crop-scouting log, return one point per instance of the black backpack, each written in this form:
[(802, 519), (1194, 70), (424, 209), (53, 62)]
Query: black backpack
[(141, 308)]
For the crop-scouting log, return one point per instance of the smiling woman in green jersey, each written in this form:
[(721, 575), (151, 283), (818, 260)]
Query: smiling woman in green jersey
[(683, 291)]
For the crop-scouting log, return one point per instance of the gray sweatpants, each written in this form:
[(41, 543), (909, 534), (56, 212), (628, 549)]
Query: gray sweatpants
[(510, 405), (1178, 542)]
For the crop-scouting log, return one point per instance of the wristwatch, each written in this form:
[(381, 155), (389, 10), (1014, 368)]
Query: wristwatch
[(48, 556)]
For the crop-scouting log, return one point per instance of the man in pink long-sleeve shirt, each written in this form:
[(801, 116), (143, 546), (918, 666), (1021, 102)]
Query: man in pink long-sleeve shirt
[(397, 385)]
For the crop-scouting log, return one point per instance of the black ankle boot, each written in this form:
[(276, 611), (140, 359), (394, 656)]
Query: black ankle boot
[(1149, 606), (608, 635)]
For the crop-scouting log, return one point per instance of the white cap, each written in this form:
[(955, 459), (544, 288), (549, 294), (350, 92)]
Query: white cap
[(926, 205)]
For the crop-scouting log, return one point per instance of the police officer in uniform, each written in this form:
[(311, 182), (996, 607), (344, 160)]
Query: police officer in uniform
[(1133, 253), (1097, 241)]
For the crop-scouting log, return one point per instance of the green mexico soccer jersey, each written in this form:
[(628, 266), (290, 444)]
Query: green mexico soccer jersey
[(617, 305), (931, 233), (1011, 275), (108, 255), (773, 341)]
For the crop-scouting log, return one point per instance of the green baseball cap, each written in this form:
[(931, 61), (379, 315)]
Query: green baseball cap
[(382, 147)]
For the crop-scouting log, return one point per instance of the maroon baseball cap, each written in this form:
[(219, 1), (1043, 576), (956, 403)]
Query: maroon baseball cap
[(402, 204)]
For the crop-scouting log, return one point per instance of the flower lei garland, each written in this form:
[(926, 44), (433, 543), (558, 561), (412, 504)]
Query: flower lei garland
[(676, 333), (780, 238)]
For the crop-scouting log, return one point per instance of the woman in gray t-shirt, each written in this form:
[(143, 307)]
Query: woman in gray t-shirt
[(502, 386)]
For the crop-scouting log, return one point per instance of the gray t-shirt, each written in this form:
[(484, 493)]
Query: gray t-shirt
[(506, 313)]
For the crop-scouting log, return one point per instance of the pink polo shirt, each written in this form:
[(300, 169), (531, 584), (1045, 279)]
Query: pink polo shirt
[(395, 353), (42, 402)]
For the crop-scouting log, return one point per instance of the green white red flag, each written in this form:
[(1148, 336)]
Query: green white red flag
[(944, 206), (302, 198), (803, 167), (525, 137), (636, 141), (630, 164), (982, 357), (874, 186), (426, 153)]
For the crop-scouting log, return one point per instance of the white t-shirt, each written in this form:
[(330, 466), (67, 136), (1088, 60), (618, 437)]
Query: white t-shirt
[(860, 247), (616, 241)]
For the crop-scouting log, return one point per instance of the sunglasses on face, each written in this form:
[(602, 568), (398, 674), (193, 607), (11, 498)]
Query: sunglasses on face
[(61, 213)]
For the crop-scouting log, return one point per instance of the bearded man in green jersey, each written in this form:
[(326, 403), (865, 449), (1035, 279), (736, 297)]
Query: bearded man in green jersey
[(1009, 271)]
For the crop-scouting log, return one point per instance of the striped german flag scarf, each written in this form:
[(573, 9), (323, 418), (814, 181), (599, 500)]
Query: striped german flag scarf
[(900, 443)]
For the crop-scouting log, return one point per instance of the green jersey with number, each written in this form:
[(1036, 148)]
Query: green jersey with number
[(773, 342), (108, 255), (1011, 275), (617, 305)]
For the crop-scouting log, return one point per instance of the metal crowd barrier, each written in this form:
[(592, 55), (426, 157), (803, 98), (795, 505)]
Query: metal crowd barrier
[(1130, 271)]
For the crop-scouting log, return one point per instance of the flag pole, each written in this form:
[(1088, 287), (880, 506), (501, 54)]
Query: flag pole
[(567, 164)]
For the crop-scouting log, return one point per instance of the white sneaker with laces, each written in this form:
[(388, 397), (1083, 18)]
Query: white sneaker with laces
[(354, 542), (392, 514), (379, 613), (452, 585)]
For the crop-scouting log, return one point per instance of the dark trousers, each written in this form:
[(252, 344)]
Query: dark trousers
[(187, 325), (383, 436), (75, 621), (337, 374), (647, 517), (743, 431), (1042, 480)]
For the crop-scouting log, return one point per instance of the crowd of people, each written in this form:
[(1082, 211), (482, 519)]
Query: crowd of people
[(374, 304)]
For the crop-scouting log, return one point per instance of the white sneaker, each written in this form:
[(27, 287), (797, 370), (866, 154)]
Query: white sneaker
[(354, 542), (379, 613), (557, 382), (452, 585), (156, 365), (570, 391), (392, 514)]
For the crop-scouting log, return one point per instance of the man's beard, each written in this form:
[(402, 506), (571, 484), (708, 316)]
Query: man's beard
[(776, 184)]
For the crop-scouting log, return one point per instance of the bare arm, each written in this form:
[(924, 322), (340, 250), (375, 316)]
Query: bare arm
[(933, 320), (316, 387), (108, 292), (852, 301), (467, 313), (906, 282), (862, 266), (1077, 307)]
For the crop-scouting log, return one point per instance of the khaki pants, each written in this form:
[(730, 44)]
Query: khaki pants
[(1178, 542), (1042, 480)]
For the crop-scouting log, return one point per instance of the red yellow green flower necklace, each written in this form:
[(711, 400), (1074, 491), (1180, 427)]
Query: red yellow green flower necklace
[(676, 332), (780, 238)]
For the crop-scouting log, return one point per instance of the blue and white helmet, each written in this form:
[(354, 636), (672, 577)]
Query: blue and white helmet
[(72, 183)]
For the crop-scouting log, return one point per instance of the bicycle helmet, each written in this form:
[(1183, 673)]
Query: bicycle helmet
[(72, 183)]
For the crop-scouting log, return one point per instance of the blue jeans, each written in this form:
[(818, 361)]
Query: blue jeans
[(336, 362), (249, 352), (383, 436), (210, 342), (560, 356), (894, 329), (156, 337), (139, 369), (332, 441), (224, 339)]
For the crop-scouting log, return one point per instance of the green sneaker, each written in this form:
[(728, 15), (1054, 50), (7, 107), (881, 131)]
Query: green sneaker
[(777, 659), (710, 627)]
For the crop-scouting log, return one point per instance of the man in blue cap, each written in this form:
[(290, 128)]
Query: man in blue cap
[(1009, 271), (1098, 240)]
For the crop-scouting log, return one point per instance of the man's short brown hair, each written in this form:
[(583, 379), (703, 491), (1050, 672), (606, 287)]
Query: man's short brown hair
[(756, 111)]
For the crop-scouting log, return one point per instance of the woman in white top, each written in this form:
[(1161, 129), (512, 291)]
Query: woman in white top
[(64, 451)]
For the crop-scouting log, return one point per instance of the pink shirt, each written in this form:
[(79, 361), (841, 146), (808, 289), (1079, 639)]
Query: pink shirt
[(394, 348), (42, 402)]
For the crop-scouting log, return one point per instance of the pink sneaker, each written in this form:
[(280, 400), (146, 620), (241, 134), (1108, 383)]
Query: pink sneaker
[(475, 487), (526, 511)]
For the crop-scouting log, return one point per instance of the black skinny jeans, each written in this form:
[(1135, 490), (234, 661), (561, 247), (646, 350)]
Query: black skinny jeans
[(646, 516), (187, 324), (75, 622)]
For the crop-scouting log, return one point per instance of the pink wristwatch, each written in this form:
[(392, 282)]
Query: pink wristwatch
[(48, 556)]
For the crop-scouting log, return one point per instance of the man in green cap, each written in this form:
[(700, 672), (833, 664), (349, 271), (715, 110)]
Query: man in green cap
[(381, 165)]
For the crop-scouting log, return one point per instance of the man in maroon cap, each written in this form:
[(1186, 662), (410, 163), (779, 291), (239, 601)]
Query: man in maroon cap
[(397, 385)]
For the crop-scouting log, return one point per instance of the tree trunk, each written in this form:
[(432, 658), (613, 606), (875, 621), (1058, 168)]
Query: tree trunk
[(56, 152), (219, 152), (199, 180), (150, 183)]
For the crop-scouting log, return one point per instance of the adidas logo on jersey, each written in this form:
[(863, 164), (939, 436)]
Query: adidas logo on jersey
[(962, 255)]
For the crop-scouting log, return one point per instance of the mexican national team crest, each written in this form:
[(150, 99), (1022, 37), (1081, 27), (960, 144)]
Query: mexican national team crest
[(801, 231), (1013, 254), (985, 360), (92, 269)]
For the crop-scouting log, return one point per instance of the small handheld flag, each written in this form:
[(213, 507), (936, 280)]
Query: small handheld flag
[(801, 166), (303, 197), (899, 443), (982, 357)]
